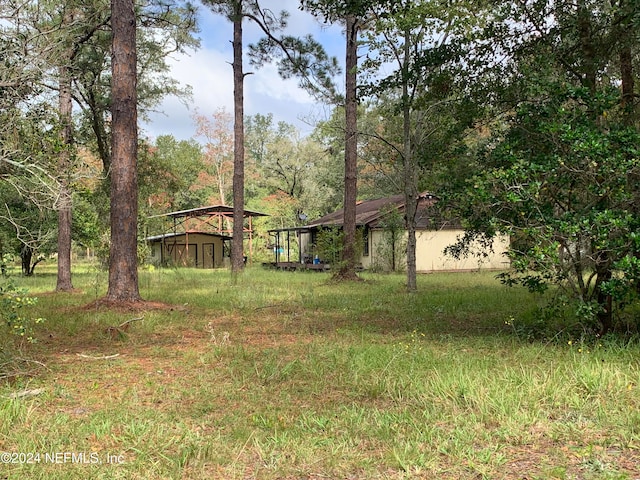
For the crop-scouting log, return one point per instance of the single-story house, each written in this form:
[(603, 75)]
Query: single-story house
[(189, 249), (433, 235)]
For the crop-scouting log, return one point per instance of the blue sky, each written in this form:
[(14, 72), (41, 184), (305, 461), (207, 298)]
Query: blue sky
[(208, 71)]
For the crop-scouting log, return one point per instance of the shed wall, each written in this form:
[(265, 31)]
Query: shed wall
[(203, 251)]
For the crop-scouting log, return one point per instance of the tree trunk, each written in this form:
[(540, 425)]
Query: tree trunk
[(237, 246), (123, 258), (64, 283), (64, 167), (100, 134), (410, 180), (394, 267), (628, 87), (26, 254), (348, 268), (585, 32), (605, 302)]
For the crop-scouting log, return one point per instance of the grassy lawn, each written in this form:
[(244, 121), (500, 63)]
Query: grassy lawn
[(286, 375)]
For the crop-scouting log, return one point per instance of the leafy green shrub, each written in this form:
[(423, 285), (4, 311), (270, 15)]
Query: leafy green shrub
[(7, 262), (330, 243), (13, 301)]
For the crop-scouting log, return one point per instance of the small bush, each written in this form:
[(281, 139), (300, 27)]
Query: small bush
[(13, 301)]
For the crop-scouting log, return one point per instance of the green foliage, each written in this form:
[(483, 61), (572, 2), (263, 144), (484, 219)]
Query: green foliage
[(40, 41), (86, 225), (303, 58), (6, 263), (27, 220), (162, 30), (286, 176), (625, 286), (167, 172), (335, 11), (329, 244), (389, 254), (563, 186), (329, 177), (13, 301), (558, 170)]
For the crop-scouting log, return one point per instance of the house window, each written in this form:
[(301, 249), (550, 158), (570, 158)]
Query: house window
[(365, 241)]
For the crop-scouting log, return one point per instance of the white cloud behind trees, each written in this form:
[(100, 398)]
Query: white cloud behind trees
[(208, 71)]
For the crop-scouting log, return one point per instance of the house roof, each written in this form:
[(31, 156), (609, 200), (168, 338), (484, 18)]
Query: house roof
[(370, 212), (209, 211), (162, 236)]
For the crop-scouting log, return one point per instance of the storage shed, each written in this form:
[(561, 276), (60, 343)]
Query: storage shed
[(189, 249), (200, 237)]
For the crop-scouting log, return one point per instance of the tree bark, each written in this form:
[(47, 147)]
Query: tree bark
[(628, 87), (123, 258), (348, 268), (26, 254), (410, 180), (64, 283), (237, 246), (97, 125), (64, 167)]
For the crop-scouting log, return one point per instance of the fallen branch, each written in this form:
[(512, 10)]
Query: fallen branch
[(26, 393), (28, 360), (104, 357), (16, 368), (125, 325), (120, 330)]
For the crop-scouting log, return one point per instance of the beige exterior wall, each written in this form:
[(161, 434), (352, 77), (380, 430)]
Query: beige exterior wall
[(202, 251), (430, 246), (429, 252), (375, 239)]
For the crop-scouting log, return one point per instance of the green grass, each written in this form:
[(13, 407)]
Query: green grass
[(288, 375)]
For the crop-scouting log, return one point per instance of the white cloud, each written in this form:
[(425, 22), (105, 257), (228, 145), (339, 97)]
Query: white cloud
[(267, 81), (211, 80), (208, 71)]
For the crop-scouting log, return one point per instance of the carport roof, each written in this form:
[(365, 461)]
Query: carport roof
[(182, 234), (208, 211)]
